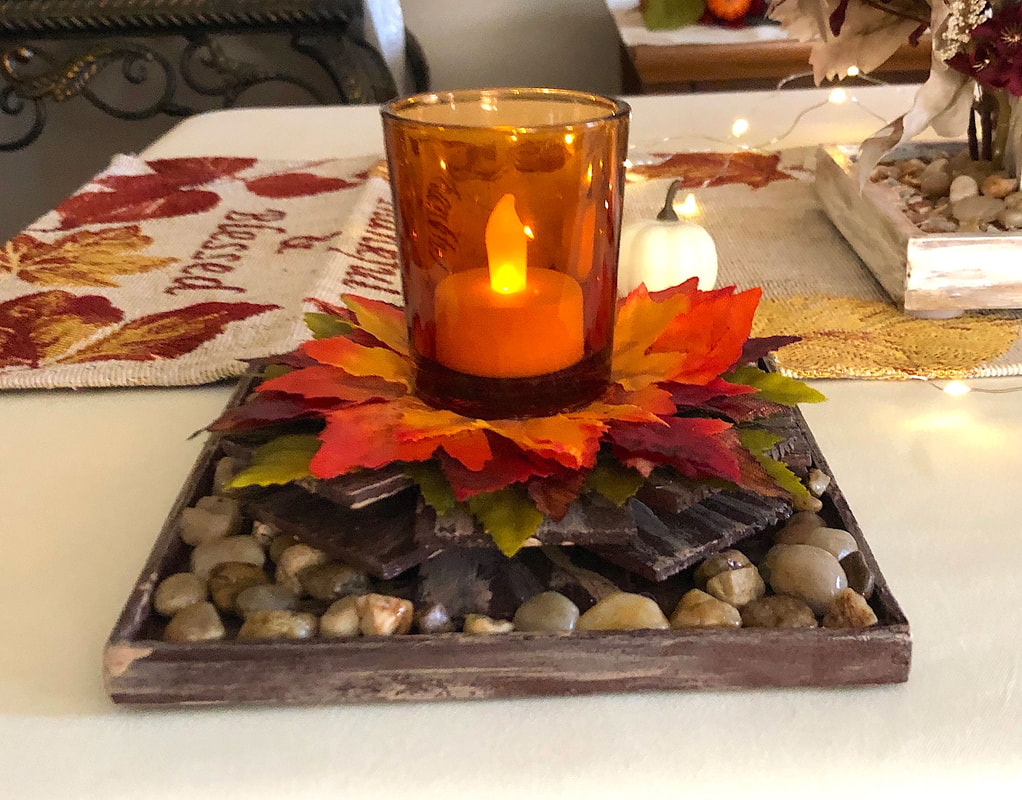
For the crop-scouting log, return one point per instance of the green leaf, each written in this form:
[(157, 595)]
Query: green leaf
[(436, 490), (662, 15), (326, 326), (280, 460), (775, 387), (275, 371), (614, 481), (757, 441), (508, 516)]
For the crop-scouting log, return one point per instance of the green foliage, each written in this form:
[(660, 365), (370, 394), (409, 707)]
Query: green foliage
[(775, 387), (436, 491), (508, 516), (326, 326), (280, 460), (757, 441), (667, 14), (613, 480)]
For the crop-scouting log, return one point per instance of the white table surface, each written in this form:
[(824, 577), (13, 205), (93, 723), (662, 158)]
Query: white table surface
[(87, 477)]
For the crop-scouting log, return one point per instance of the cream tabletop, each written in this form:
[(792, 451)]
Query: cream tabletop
[(87, 477)]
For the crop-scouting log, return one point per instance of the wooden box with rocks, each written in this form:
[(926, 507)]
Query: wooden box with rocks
[(350, 590), (941, 232)]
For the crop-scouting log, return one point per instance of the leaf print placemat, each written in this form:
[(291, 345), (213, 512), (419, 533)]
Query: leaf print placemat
[(170, 272)]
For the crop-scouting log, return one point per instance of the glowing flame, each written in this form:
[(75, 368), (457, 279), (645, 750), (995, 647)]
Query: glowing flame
[(507, 240)]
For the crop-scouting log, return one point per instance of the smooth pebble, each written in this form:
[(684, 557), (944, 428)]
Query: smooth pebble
[(778, 611), (836, 542), (962, 187), (860, 576), (227, 580), (266, 597), (433, 618), (233, 548), (198, 622), (623, 611), (332, 580), (806, 572), (178, 591), (547, 611), (340, 619), (697, 609), (383, 615), (278, 624), (292, 561), (719, 562), (737, 586)]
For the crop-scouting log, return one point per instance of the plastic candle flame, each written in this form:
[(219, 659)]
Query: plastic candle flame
[(506, 247)]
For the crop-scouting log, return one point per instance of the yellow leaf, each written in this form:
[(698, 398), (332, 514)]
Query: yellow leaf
[(381, 320), (280, 460)]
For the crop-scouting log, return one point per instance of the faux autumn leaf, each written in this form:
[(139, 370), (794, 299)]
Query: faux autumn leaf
[(83, 258), (280, 460), (40, 327), (775, 387), (270, 410), (168, 334), (330, 383), (614, 481), (758, 441), (509, 517), (700, 170), (325, 326), (434, 488), (690, 445)]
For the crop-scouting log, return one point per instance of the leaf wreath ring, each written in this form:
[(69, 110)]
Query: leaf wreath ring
[(684, 395)]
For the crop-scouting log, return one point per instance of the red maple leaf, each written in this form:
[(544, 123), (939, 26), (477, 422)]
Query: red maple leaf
[(699, 170), (296, 184), (689, 444)]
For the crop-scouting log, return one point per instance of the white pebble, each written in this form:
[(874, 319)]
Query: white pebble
[(963, 186)]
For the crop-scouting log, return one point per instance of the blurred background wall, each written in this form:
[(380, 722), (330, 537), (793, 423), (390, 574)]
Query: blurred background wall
[(559, 43)]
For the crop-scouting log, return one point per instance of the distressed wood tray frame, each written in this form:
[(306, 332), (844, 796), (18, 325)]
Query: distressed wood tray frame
[(144, 671), (937, 274)]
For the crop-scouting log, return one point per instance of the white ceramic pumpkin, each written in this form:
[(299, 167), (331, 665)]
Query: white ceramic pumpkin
[(665, 252)]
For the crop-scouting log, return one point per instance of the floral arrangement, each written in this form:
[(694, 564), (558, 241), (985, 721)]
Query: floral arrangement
[(685, 395), (975, 79)]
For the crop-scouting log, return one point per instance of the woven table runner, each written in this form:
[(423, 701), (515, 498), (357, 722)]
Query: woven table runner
[(173, 272)]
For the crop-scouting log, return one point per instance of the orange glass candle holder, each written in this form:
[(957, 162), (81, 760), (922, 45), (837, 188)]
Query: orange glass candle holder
[(508, 212)]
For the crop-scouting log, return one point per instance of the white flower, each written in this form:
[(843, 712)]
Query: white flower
[(956, 31)]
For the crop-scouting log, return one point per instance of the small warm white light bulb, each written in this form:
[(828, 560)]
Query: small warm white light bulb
[(689, 207), (568, 138), (443, 164), (838, 96), (739, 127), (956, 389), (852, 71), (628, 163)]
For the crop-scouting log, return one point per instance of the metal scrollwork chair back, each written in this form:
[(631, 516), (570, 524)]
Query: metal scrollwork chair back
[(359, 50)]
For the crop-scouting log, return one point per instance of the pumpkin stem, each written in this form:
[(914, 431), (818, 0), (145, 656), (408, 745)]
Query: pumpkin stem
[(667, 212)]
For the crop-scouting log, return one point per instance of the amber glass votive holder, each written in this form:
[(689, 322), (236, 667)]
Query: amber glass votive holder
[(508, 213)]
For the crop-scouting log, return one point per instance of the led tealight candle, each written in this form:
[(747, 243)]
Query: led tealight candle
[(506, 320)]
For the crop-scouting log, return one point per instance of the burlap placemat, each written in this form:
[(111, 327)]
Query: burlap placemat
[(172, 272)]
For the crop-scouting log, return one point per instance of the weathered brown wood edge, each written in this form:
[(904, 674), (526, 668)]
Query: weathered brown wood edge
[(924, 272), (460, 666)]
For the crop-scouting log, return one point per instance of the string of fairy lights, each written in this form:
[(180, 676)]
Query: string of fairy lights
[(837, 96)]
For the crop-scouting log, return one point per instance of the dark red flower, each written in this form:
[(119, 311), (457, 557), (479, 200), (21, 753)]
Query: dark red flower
[(995, 57)]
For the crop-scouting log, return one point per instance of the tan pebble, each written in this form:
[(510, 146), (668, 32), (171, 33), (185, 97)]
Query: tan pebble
[(719, 562), (849, 610), (546, 611), (999, 185), (265, 597), (973, 212), (199, 525), (233, 548), (697, 609), (836, 542), (962, 187), (778, 611), (1013, 200), (938, 224), (226, 468), (178, 591), (231, 578), (805, 572), (382, 615), (332, 580), (279, 544), (818, 481), (737, 587), (802, 519), (264, 533), (480, 623), (278, 624), (622, 611), (340, 619), (198, 622), (295, 559), (935, 179), (807, 502), (1011, 218)]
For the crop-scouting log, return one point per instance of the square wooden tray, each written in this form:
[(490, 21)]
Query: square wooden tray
[(139, 669), (932, 274)]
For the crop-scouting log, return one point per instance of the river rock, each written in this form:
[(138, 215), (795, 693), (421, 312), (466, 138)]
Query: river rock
[(383, 615), (802, 519), (623, 611), (480, 623), (178, 591), (849, 610), (333, 580), (935, 180), (737, 586), (265, 597), (433, 618), (264, 533), (962, 187), (198, 525), (294, 560), (233, 548), (806, 572), (1011, 218), (836, 542), (547, 611), (999, 185), (279, 544), (697, 609), (818, 481), (723, 561), (198, 622), (340, 619), (806, 502), (224, 471), (277, 624), (1013, 200), (860, 576), (972, 212), (229, 579), (778, 611)]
